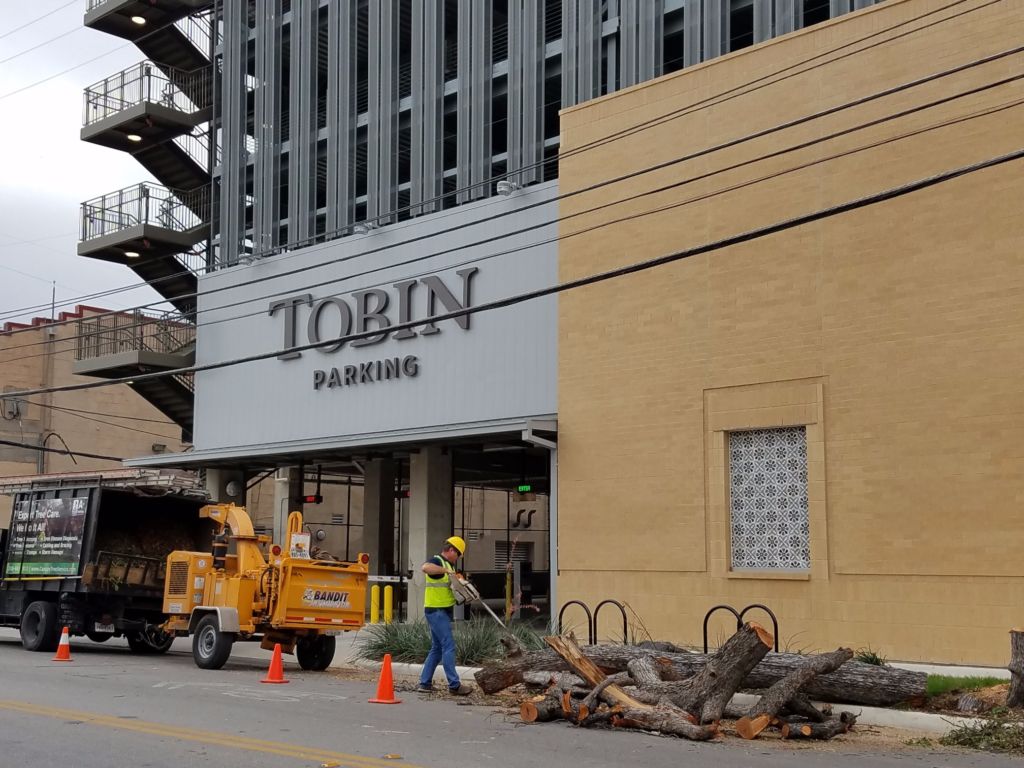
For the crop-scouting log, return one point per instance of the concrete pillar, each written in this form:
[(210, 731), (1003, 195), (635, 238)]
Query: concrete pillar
[(226, 486), (379, 515), (431, 495), (288, 491)]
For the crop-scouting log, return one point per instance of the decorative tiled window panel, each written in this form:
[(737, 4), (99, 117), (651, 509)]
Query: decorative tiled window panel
[(768, 500)]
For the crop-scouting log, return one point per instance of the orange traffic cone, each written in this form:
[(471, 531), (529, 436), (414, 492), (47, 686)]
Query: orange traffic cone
[(385, 686), (64, 649), (275, 674)]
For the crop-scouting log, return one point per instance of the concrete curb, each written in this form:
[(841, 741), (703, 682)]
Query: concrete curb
[(401, 669), (888, 718)]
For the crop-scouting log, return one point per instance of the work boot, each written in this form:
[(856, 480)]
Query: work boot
[(462, 690), (425, 688)]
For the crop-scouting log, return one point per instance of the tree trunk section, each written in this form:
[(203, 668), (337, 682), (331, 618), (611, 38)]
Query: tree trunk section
[(643, 671), (589, 671), (546, 709), (666, 719), (709, 691), (800, 706), (854, 683), (593, 699), (725, 671), (1015, 698), (823, 731), (781, 693)]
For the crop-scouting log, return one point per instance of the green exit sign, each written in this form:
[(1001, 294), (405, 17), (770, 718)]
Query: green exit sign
[(525, 488)]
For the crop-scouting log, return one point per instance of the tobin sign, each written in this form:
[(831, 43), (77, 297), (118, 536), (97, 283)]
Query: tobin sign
[(330, 320)]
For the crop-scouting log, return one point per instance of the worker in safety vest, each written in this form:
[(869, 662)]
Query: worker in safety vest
[(438, 605)]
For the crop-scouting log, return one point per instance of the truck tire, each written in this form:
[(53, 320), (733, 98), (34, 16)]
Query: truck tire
[(211, 647), (315, 653), (40, 630), (150, 641)]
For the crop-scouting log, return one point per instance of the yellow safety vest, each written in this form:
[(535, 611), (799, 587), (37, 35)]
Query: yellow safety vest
[(439, 589)]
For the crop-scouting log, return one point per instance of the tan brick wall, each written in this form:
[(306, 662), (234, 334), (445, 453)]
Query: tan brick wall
[(897, 329)]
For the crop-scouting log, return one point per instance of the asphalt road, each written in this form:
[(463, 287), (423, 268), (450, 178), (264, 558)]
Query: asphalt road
[(110, 709)]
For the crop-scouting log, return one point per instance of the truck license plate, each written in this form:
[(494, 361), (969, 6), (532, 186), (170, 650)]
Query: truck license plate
[(103, 627)]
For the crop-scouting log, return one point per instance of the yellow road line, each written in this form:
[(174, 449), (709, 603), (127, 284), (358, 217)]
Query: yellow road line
[(205, 737)]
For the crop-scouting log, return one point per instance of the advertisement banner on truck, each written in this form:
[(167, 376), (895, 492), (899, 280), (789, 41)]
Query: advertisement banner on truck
[(46, 537)]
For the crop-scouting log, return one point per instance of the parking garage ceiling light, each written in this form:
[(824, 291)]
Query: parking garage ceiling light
[(138, 20), (132, 254), (134, 137)]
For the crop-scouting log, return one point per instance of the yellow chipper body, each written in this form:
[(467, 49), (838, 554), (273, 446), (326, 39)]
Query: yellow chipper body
[(247, 588)]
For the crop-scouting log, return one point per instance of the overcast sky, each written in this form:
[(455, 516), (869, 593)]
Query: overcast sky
[(46, 170)]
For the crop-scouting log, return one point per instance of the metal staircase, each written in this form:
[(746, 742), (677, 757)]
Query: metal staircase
[(130, 343), (158, 111)]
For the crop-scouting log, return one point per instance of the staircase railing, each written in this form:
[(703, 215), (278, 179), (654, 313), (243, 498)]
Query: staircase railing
[(145, 82), (144, 203), (196, 146), (133, 331), (198, 29)]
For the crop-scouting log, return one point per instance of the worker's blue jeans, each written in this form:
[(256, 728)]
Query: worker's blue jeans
[(442, 647)]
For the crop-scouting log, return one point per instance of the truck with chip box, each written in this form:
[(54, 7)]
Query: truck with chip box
[(117, 561)]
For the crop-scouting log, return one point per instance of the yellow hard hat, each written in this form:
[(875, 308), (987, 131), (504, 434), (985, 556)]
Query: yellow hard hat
[(458, 542)]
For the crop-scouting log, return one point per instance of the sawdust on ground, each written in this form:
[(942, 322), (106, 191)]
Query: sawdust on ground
[(946, 703)]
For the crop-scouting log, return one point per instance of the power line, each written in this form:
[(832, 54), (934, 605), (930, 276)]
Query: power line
[(34, 277), (63, 72), (100, 413), (678, 204), (123, 426), (688, 180), (61, 451), (674, 185), (40, 45), (689, 109), (38, 18), (750, 235), (34, 240), (633, 216)]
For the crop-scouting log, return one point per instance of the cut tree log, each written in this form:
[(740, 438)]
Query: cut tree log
[(827, 730), (801, 706), (541, 709), (593, 698), (854, 682), (708, 692), (718, 680), (567, 648), (667, 719), (643, 671), (1015, 697), (663, 717), (781, 693)]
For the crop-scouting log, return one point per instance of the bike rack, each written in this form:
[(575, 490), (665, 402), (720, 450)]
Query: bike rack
[(622, 610), (592, 618), (591, 639), (739, 620)]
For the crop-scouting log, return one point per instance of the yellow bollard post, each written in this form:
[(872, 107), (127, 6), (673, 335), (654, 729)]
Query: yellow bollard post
[(375, 604), (389, 603)]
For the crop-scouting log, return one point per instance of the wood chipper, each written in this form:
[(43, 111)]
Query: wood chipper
[(247, 588)]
